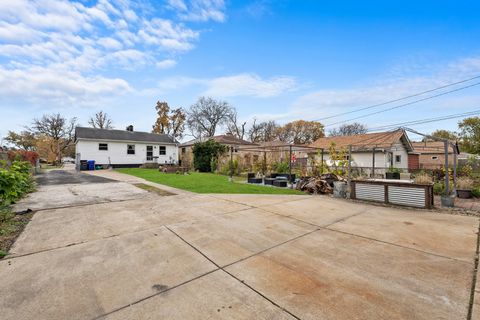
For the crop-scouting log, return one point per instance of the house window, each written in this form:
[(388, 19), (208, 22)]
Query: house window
[(130, 149), (398, 158), (434, 158), (184, 150), (103, 146), (162, 150), (149, 153)]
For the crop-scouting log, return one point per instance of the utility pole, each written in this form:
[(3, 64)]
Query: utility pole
[(231, 164), (373, 163), (290, 167), (447, 176)]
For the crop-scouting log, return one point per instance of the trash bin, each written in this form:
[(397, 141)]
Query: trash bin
[(83, 165), (91, 164)]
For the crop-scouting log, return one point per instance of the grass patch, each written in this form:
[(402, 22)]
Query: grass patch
[(204, 182), (11, 225), (153, 189)]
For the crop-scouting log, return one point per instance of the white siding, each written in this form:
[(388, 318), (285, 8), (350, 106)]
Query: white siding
[(117, 152)]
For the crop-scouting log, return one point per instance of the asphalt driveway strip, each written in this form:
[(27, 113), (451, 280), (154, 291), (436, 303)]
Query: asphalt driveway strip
[(61, 177)]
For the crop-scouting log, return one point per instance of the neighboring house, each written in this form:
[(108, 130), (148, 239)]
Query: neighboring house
[(186, 148), (432, 154), (124, 148), (389, 149)]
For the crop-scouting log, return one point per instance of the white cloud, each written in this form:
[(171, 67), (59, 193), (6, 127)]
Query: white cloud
[(249, 85), (166, 64), (76, 42), (199, 10)]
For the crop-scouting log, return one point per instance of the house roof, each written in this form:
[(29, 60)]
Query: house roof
[(431, 147), (365, 141), (223, 139), (121, 135)]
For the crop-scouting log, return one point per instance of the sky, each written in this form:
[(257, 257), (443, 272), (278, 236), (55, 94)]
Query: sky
[(272, 60)]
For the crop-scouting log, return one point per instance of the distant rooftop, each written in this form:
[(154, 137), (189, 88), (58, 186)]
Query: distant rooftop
[(223, 139)]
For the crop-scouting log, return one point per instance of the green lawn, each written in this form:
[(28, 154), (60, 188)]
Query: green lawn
[(204, 182)]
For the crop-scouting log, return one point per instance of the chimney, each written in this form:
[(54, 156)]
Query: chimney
[(130, 128)]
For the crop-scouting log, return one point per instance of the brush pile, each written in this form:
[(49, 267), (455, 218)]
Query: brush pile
[(318, 185)]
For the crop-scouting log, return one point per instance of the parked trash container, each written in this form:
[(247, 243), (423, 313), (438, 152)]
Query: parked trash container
[(91, 164), (83, 165)]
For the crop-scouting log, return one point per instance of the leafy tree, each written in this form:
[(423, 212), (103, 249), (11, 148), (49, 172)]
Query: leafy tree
[(206, 115), (301, 132), (470, 134), (25, 140), (206, 153), (444, 134), (171, 122), (100, 121), (349, 129), (58, 130)]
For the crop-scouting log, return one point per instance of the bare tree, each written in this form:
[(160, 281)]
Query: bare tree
[(100, 121), (58, 129), (206, 115), (349, 129), (263, 131), (234, 127)]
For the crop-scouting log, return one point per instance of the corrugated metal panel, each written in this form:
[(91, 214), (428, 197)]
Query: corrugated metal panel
[(370, 192), (406, 196)]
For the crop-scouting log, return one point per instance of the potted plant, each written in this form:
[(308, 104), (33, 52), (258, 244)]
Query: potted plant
[(464, 187), (393, 173)]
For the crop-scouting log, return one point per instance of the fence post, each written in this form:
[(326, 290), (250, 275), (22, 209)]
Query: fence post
[(231, 164), (349, 181), (290, 167), (447, 176), (373, 163)]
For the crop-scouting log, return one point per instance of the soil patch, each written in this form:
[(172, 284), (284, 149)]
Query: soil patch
[(156, 190)]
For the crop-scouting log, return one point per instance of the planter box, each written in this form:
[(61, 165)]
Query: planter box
[(392, 175), (255, 180), (464, 194), (404, 194), (280, 183), (269, 181)]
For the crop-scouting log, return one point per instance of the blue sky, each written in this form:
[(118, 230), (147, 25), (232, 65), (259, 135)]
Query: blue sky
[(280, 60)]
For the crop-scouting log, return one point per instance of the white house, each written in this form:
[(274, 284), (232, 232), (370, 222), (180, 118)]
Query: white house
[(381, 150), (124, 148)]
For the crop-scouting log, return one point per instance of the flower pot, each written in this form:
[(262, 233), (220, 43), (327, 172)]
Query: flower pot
[(464, 194), (448, 201), (393, 175)]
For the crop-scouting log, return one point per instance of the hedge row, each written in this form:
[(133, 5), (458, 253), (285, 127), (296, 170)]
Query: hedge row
[(15, 181)]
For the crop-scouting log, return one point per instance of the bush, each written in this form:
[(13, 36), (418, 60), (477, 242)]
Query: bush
[(23, 155), (15, 181), (423, 178), (476, 192), (205, 154), (439, 188), (281, 167)]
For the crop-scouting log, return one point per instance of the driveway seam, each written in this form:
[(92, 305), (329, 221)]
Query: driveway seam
[(474, 277), (234, 277)]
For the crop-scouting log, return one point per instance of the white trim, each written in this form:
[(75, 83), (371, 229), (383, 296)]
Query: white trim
[(134, 141)]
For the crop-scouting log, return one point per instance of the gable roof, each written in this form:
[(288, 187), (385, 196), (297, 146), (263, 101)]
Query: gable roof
[(366, 141), (223, 139), (121, 135)]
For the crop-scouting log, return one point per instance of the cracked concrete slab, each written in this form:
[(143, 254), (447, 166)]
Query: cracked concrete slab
[(230, 237), (258, 200), (61, 227), (453, 236), (205, 298), (57, 196), (330, 275), (88, 280), (318, 210)]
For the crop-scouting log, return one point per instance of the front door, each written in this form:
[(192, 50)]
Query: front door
[(149, 153)]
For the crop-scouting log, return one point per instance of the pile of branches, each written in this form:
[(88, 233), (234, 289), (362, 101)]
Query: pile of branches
[(318, 185)]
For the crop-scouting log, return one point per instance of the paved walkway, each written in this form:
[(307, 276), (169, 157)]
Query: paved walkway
[(131, 254)]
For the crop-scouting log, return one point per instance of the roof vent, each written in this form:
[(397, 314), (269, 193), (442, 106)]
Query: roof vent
[(130, 128)]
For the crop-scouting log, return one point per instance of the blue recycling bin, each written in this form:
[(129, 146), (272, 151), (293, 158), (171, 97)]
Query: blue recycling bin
[(91, 164)]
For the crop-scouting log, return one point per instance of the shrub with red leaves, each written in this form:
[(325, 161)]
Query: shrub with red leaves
[(24, 155)]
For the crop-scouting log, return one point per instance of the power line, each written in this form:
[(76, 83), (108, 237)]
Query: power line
[(399, 99), (403, 105), (427, 120)]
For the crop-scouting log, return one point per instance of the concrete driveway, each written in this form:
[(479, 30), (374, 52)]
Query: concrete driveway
[(130, 254)]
